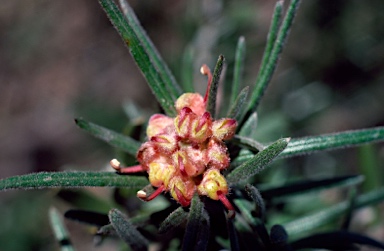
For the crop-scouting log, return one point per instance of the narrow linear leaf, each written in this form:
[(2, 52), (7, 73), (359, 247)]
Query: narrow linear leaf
[(249, 127), (249, 143), (106, 230), (187, 70), (72, 179), (127, 231), (203, 232), (271, 41), (338, 240), (279, 238), (312, 221), (368, 163), (155, 57), (211, 103), (333, 141), (140, 55), (175, 219), (237, 106), (245, 208), (194, 221), (258, 162), (325, 142), (238, 69), (255, 195), (272, 56), (59, 230), (349, 214), (115, 139), (310, 186), (232, 232)]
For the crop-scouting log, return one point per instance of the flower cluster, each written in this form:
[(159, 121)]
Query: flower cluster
[(185, 154)]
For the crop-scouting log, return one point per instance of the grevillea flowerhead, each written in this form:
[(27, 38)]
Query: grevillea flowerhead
[(186, 154)]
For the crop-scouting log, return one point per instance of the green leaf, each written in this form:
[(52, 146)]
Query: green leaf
[(195, 219), (324, 142), (245, 208), (155, 57), (187, 70), (310, 186), (232, 232), (330, 214), (127, 231), (332, 141), (237, 106), (272, 53), (175, 219), (60, 230), (258, 162), (72, 179), (144, 59), (255, 195), (113, 138), (337, 240), (368, 163), (249, 127), (211, 103), (248, 143), (238, 69)]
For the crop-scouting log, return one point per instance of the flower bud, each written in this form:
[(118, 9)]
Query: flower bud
[(146, 154), (224, 129), (201, 128), (192, 100), (160, 173), (182, 190), (183, 122), (158, 124), (165, 143), (213, 184), (217, 155), (191, 162)]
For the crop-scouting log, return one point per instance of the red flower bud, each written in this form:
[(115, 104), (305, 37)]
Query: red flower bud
[(224, 129)]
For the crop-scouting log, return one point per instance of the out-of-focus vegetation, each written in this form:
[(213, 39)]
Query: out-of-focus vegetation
[(62, 59)]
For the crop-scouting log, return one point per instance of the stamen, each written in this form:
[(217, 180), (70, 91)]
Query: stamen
[(115, 164), (156, 193), (207, 72), (227, 204)]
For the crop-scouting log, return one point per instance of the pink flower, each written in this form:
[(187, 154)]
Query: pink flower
[(185, 154)]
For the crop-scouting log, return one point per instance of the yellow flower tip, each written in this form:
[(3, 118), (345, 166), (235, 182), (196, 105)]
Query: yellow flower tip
[(115, 164), (160, 173), (201, 128), (182, 190), (213, 184), (192, 100), (224, 129), (157, 124)]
